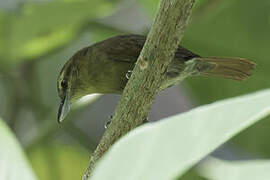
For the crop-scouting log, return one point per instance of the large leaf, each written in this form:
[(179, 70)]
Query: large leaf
[(170, 147), (13, 164), (233, 28), (235, 170), (39, 28)]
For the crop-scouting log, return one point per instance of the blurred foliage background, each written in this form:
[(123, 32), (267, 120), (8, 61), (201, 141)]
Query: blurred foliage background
[(37, 37)]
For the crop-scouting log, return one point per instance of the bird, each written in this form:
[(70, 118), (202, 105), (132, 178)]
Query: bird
[(104, 68)]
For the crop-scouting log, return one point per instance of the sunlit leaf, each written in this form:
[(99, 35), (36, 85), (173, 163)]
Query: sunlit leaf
[(13, 164), (233, 28), (170, 147), (235, 170)]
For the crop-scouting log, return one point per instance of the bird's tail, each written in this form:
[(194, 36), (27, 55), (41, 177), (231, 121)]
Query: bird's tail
[(229, 68)]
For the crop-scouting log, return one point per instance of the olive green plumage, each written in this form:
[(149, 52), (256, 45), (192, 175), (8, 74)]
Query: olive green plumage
[(102, 68)]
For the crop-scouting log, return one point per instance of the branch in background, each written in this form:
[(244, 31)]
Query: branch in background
[(23, 88), (46, 129), (15, 99), (158, 51)]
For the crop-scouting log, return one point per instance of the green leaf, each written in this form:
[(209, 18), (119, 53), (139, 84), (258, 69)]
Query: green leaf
[(235, 170), (43, 27), (13, 164), (232, 28), (170, 147)]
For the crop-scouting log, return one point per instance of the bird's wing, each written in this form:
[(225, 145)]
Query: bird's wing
[(124, 48), (184, 54), (127, 48)]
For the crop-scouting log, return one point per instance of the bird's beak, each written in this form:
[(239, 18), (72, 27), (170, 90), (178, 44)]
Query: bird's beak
[(64, 108)]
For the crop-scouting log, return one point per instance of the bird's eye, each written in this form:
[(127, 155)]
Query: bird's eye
[(64, 84)]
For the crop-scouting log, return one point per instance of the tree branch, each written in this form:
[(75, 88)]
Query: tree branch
[(144, 83)]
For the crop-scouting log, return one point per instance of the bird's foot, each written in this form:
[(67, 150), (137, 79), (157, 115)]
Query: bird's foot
[(128, 74), (108, 122), (146, 120)]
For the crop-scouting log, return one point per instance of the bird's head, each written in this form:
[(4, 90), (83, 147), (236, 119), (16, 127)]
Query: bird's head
[(65, 85), (70, 84)]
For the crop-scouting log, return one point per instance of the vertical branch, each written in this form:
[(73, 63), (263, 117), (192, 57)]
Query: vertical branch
[(158, 51)]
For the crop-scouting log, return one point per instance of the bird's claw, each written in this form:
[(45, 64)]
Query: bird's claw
[(108, 122), (146, 120), (128, 74)]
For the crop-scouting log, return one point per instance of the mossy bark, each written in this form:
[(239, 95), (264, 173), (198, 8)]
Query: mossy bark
[(148, 74)]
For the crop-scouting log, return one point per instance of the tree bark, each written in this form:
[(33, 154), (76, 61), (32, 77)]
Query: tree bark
[(144, 83)]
